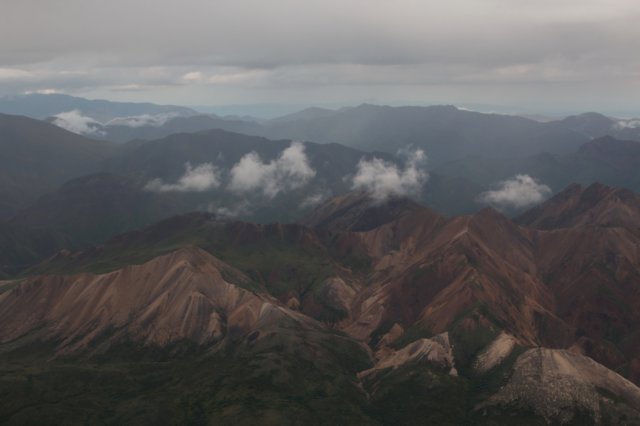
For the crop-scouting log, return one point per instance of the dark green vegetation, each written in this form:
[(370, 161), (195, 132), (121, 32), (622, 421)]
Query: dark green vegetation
[(290, 376), (283, 260), (21, 247), (287, 377)]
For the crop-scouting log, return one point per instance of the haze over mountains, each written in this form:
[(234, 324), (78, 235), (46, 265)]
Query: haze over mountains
[(201, 171), (370, 265)]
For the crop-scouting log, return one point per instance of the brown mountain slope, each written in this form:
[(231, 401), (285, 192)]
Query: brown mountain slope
[(597, 205), (588, 254), (576, 286), (179, 297), (441, 270), (356, 211)]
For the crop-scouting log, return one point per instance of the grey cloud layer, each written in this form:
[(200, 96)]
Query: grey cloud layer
[(292, 44)]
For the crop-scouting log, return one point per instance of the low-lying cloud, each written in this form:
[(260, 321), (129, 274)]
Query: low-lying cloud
[(315, 199), (518, 192), (291, 170), (144, 120), (383, 179), (75, 122), (633, 123), (231, 211), (200, 178)]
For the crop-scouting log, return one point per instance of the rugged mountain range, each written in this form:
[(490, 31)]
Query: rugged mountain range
[(370, 313)]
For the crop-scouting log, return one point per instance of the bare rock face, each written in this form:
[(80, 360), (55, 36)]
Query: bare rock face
[(181, 296), (392, 335), (495, 353), (558, 385), (436, 351)]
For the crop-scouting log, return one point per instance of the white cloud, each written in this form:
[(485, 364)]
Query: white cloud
[(193, 77), (633, 123), (143, 120), (75, 122), (518, 191), (289, 171), (314, 199), (49, 91), (382, 179), (232, 211), (195, 179)]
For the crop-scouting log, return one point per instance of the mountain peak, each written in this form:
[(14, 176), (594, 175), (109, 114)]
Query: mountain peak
[(357, 211), (597, 204)]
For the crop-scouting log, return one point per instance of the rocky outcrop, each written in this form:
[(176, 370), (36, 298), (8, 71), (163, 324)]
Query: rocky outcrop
[(559, 385), (436, 352), (495, 353)]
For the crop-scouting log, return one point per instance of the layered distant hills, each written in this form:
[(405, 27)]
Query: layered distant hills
[(36, 157), (57, 181)]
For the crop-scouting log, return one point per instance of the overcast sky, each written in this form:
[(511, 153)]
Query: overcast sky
[(544, 55)]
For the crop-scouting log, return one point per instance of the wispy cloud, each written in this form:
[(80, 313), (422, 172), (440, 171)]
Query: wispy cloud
[(144, 120), (231, 211), (519, 191), (289, 171), (201, 178), (313, 200), (382, 179), (75, 122)]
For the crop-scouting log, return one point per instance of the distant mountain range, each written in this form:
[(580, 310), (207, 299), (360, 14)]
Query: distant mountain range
[(444, 132), (38, 158), (594, 125), (42, 106)]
